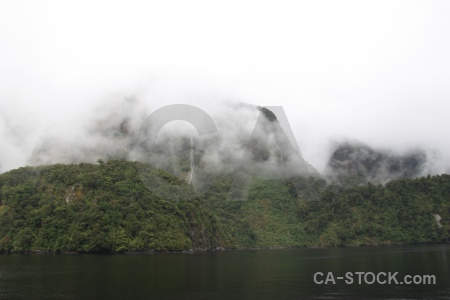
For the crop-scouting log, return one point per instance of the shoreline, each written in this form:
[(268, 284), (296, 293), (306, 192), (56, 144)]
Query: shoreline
[(218, 249)]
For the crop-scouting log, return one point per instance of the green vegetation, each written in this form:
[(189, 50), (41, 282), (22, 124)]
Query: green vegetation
[(108, 208), (99, 208), (307, 212)]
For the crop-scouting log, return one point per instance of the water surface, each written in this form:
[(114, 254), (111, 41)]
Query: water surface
[(249, 274)]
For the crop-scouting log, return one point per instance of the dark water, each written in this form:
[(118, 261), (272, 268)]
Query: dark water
[(262, 274)]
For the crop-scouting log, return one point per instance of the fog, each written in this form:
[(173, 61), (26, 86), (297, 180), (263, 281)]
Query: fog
[(374, 72)]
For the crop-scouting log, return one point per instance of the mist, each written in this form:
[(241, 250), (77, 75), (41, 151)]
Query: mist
[(340, 69), (247, 136)]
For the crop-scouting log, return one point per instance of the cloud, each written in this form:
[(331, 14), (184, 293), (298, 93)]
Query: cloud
[(377, 72)]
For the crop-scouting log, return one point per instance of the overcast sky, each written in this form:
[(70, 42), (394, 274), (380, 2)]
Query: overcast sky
[(375, 71)]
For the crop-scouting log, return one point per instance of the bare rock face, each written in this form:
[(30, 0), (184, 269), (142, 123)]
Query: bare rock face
[(357, 163)]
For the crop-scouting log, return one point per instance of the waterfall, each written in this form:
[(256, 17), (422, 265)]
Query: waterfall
[(192, 161)]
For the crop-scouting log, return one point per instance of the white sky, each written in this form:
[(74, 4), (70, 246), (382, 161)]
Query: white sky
[(377, 71)]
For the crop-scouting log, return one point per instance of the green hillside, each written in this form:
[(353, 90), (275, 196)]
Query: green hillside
[(308, 212), (109, 208), (100, 208)]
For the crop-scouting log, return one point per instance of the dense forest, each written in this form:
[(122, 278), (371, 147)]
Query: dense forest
[(108, 208)]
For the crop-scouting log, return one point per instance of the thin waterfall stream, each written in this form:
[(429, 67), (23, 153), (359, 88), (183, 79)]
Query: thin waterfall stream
[(192, 161)]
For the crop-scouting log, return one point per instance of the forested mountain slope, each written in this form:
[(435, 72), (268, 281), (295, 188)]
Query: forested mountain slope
[(109, 208)]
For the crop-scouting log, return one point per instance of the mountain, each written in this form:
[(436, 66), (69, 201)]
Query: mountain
[(101, 208), (357, 164), (110, 208), (243, 187)]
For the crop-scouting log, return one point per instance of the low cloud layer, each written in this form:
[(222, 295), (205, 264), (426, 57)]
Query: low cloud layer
[(111, 129), (375, 72), (247, 135)]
